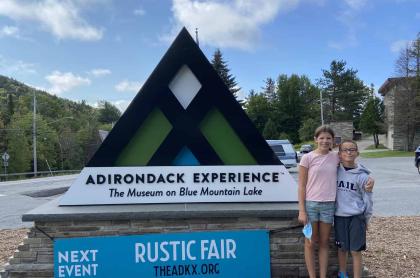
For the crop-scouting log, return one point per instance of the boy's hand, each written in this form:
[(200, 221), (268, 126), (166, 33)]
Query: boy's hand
[(369, 185)]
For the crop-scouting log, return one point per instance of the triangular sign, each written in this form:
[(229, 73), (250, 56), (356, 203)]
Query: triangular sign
[(183, 115)]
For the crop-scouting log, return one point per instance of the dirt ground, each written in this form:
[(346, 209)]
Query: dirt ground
[(9, 241), (393, 246)]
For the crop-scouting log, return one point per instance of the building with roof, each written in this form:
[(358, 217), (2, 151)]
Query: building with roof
[(401, 113)]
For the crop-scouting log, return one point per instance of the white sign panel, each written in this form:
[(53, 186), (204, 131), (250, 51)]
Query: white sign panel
[(181, 184)]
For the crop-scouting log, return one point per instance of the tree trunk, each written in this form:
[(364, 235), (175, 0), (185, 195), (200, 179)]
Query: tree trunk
[(376, 140)]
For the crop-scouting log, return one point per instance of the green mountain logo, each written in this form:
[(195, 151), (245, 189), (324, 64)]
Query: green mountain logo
[(184, 115)]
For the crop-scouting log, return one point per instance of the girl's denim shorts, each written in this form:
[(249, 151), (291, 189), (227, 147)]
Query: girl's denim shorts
[(320, 211)]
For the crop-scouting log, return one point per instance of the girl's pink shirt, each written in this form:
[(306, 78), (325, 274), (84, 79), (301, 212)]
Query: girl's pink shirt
[(322, 176)]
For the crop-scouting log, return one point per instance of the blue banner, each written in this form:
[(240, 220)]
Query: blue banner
[(197, 254)]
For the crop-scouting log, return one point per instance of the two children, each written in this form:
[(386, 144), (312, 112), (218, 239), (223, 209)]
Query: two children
[(317, 199), (353, 208)]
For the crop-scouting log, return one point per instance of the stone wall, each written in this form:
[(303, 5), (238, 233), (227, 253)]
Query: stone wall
[(34, 257), (389, 117), (397, 102)]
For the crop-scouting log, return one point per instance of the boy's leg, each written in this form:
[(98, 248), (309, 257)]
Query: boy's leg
[(341, 241), (357, 264), (324, 237), (309, 250), (342, 260), (357, 235)]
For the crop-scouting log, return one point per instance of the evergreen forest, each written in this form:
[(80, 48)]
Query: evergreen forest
[(66, 131)]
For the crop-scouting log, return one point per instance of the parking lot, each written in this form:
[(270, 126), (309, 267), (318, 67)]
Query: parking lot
[(397, 185)]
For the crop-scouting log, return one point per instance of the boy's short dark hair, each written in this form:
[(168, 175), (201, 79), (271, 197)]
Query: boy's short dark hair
[(348, 141), (324, 128)]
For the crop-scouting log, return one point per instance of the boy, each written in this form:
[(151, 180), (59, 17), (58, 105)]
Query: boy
[(353, 208)]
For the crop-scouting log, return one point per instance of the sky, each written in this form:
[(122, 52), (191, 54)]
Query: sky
[(97, 50)]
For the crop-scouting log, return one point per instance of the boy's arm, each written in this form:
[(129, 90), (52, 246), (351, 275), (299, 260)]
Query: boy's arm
[(368, 183), (367, 198)]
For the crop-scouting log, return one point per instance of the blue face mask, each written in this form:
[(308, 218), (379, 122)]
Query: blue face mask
[(307, 230)]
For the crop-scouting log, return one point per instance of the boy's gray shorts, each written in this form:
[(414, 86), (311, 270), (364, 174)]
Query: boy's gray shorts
[(350, 232)]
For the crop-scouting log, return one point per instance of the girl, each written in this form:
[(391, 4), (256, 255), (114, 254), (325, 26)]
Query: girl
[(316, 193)]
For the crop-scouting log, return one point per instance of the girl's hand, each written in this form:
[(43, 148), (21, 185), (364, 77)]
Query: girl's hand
[(369, 185), (302, 218)]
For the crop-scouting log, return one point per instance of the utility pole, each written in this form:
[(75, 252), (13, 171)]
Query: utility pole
[(322, 112), (34, 137)]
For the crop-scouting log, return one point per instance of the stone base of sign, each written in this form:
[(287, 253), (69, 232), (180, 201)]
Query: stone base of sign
[(34, 258)]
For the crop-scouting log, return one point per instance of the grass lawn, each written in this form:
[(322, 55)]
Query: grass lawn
[(372, 147), (388, 153)]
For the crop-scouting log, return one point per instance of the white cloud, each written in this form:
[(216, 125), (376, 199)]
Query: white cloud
[(241, 94), (121, 104), (100, 72), (9, 31), (234, 24), (61, 18), (63, 82), (397, 46), (128, 86), (139, 12), (350, 18), (16, 67), (356, 4)]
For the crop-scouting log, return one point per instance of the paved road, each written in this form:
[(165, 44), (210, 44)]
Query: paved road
[(396, 192), (397, 185), (14, 199)]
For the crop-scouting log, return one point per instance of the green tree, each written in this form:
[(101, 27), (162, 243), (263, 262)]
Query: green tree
[(258, 110), (88, 139), (270, 130), (344, 94), (71, 153), (108, 113), (296, 101), (307, 130), (371, 120), (221, 67), (18, 147), (59, 122), (269, 89)]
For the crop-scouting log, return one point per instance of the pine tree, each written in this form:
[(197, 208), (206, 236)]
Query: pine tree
[(258, 109), (344, 94), (269, 90), (223, 70), (270, 130), (372, 118)]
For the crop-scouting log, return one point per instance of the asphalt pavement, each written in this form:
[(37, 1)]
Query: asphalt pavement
[(18, 197), (397, 185)]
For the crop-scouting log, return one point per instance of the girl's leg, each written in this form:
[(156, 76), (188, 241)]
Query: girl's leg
[(309, 250), (342, 260), (324, 237), (357, 264)]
